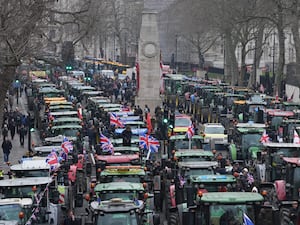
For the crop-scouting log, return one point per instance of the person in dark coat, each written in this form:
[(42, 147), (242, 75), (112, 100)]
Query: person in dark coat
[(22, 134), (70, 219), (5, 131), (126, 135), (6, 147), (12, 128)]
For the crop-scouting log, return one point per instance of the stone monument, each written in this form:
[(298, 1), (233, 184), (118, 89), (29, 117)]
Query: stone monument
[(149, 62)]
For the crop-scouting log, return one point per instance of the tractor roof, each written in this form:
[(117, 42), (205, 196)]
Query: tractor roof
[(231, 197), (119, 186)]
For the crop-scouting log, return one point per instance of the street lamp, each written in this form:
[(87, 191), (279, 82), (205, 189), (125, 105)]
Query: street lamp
[(176, 43), (273, 57)]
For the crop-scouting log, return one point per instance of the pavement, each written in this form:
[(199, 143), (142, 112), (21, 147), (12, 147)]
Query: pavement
[(18, 151)]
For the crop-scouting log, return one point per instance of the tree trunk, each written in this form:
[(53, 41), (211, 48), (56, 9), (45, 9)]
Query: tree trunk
[(281, 60), (296, 35), (231, 45), (7, 77), (243, 68), (257, 56)]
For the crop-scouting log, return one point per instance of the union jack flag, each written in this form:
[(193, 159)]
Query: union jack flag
[(115, 120), (149, 142), (52, 159), (106, 144), (190, 132), (265, 137), (66, 145)]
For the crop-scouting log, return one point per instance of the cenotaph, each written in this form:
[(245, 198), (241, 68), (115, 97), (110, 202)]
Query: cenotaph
[(149, 63)]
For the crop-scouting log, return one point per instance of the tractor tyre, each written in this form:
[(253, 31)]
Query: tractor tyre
[(173, 219), (284, 217)]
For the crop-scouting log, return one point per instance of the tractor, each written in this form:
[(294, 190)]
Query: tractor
[(214, 208)]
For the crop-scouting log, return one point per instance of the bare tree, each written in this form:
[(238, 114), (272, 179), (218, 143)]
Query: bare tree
[(29, 38)]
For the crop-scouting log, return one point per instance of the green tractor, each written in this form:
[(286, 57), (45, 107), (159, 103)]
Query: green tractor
[(199, 174), (181, 142), (246, 141), (122, 212), (215, 208), (123, 190)]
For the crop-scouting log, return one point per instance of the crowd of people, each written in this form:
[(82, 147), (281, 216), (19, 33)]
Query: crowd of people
[(14, 123)]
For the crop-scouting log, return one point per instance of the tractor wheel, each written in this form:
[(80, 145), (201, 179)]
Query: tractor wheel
[(174, 219), (284, 217)]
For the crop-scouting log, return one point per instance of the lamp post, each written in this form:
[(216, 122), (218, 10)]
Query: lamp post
[(176, 42), (29, 133), (273, 58)]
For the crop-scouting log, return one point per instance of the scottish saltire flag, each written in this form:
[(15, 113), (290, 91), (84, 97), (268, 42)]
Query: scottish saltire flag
[(247, 220), (106, 144), (52, 159), (66, 145), (149, 142), (115, 120), (265, 137), (190, 132)]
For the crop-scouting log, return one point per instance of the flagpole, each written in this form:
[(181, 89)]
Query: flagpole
[(148, 154)]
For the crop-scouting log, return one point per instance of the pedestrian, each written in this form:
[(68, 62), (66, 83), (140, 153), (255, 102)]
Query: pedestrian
[(6, 147), (22, 134), (139, 112), (70, 219), (126, 135), (12, 128), (146, 111), (5, 131)]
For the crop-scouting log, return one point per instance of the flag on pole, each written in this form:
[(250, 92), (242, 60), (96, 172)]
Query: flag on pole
[(190, 131), (265, 137), (137, 66), (247, 220), (149, 142), (149, 124), (79, 113), (66, 145), (290, 99), (52, 159), (296, 138), (106, 144), (115, 120)]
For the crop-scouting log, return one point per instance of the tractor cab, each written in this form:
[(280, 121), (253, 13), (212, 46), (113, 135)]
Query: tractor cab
[(214, 208), (276, 116), (182, 142), (117, 159), (15, 211), (133, 174), (196, 155), (123, 190), (31, 167), (122, 212), (272, 158), (40, 191), (246, 141)]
